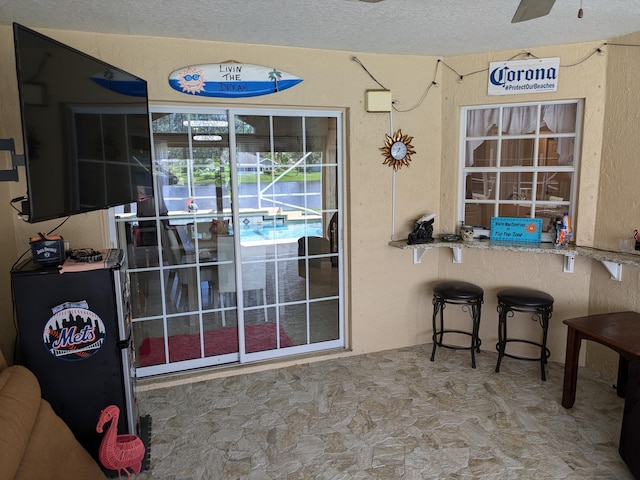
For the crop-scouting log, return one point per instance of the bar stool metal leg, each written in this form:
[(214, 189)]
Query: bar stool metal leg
[(502, 333), (544, 353), (438, 308), (476, 310)]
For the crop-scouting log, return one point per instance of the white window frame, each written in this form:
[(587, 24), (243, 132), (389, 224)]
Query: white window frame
[(496, 202), (273, 354)]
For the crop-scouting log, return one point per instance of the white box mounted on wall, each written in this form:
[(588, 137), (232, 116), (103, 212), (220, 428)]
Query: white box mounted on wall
[(378, 101)]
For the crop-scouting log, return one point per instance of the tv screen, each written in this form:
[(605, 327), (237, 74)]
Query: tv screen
[(85, 126)]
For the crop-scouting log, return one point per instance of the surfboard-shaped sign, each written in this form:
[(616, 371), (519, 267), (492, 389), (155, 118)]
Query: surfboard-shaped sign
[(231, 80), (120, 82)]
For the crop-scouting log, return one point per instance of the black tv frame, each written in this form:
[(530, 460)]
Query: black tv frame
[(61, 183)]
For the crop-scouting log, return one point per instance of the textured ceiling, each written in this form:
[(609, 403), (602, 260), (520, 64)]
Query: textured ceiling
[(419, 27)]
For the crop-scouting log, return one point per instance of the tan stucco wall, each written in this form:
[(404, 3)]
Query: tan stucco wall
[(389, 297), (9, 127), (497, 269), (618, 212)]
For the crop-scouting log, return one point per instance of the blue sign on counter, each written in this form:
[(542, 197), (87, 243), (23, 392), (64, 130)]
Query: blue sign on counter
[(516, 229)]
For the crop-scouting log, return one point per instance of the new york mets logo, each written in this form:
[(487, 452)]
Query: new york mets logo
[(74, 334)]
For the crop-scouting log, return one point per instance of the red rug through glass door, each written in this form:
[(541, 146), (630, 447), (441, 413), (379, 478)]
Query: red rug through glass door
[(216, 342)]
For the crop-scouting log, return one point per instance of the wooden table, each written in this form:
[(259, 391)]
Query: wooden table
[(619, 331)]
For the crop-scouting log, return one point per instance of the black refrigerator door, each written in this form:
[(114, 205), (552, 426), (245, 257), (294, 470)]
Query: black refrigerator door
[(75, 353)]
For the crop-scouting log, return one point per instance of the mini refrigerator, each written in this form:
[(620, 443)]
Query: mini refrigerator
[(75, 336)]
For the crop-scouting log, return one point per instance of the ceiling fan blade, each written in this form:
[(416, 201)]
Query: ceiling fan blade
[(530, 9)]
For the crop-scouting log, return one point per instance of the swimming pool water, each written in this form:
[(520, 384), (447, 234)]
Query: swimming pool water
[(281, 232)]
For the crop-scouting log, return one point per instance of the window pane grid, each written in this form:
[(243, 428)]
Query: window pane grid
[(245, 220), (519, 160)]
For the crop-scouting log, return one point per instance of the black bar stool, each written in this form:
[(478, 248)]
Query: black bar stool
[(455, 292), (539, 304)]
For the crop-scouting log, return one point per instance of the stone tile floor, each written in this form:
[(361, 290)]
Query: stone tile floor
[(387, 415)]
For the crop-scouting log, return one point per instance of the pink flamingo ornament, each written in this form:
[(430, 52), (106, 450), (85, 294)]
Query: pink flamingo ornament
[(118, 452)]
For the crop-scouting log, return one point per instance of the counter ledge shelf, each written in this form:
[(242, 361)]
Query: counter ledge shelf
[(612, 261)]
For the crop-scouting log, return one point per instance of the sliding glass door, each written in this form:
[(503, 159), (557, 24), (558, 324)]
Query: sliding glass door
[(238, 255)]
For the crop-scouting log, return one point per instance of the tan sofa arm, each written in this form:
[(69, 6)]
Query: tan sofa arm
[(35, 443)]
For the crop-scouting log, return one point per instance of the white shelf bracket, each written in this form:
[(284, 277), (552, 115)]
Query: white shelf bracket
[(615, 269), (457, 254), (569, 260), (418, 253)]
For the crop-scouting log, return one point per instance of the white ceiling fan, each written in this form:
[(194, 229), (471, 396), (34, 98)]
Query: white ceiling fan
[(530, 9)]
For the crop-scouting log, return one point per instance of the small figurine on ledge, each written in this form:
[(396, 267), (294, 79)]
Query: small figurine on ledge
[(422, 230)]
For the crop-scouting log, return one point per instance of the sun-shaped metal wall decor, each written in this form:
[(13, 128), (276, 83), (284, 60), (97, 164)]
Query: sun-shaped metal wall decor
[(397, 150)]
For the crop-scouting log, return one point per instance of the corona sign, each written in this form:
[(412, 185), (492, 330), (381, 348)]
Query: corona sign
[(523, 76)]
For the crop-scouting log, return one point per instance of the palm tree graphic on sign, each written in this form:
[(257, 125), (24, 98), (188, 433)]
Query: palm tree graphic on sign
[(275, 75)]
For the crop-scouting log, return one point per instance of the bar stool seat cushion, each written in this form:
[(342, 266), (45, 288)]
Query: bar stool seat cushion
[(525, 297), (458, 290)]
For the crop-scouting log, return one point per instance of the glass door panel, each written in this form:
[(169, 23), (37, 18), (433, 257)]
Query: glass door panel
[(323, 327), (238, 253), (287, 184)]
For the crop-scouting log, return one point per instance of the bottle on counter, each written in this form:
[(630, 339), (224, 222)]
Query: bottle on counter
[(563, 230)]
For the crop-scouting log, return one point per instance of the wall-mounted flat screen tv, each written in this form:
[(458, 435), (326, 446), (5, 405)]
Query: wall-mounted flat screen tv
[(85, 126)]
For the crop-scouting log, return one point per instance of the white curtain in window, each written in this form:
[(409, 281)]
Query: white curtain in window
[(479, 123), (562, 118), (521, 120), (161, 150)]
